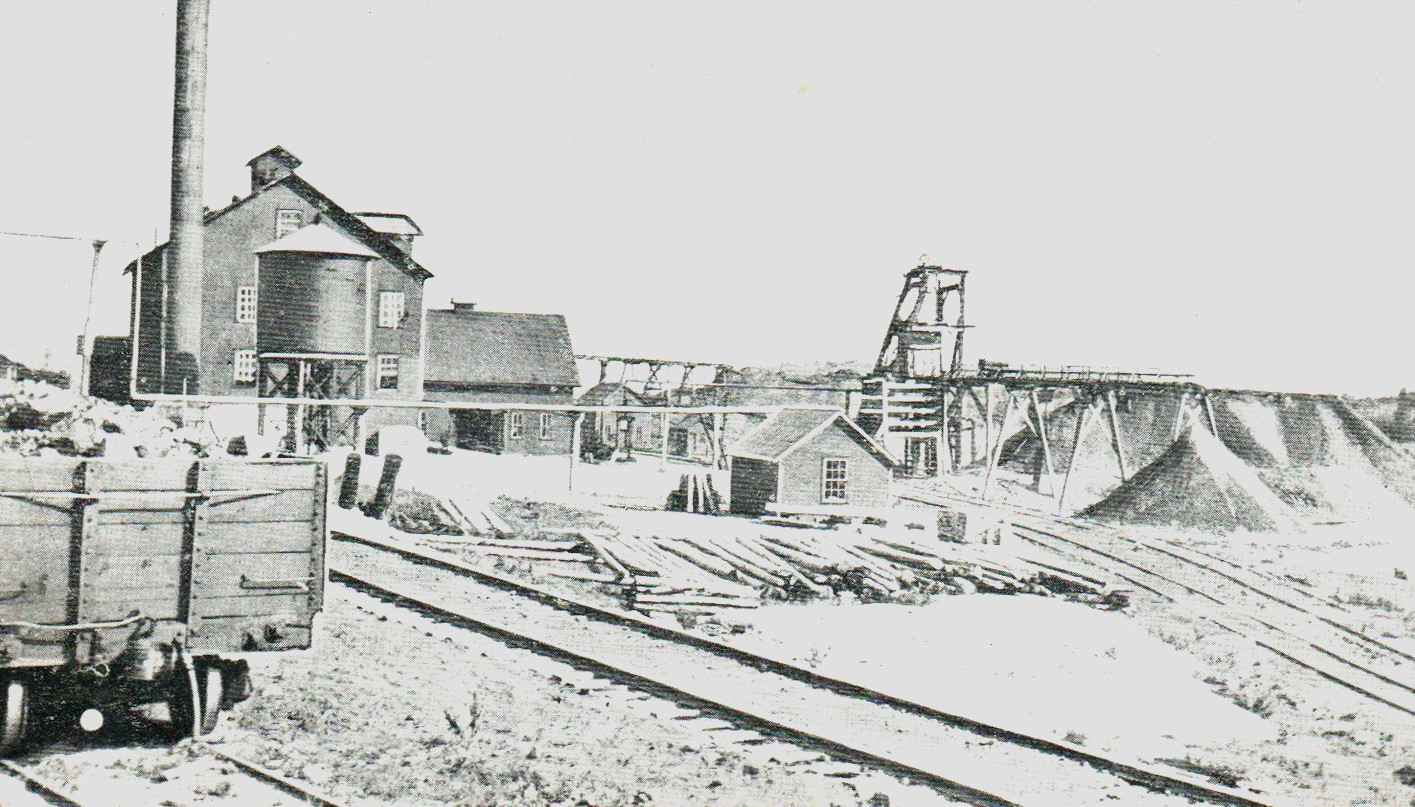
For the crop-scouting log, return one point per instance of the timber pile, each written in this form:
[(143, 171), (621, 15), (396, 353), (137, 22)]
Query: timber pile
[(708, 574), (695, 494)]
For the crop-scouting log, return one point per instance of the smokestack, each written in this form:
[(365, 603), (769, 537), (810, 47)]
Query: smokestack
[(188, 143)]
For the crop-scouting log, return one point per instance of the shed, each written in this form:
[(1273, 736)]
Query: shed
[(809, 460)]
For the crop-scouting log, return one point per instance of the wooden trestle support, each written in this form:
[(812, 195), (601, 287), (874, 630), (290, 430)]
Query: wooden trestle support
[(942, 426), (313, 427)]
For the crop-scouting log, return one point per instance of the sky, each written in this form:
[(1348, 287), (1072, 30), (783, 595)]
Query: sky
[(1217, 188)]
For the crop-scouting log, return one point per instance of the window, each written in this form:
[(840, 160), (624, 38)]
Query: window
[(513, 426), (545, 425), (245, 304), (243, 367), (833, 480), (288, 221), (387, 372), (390, 309)]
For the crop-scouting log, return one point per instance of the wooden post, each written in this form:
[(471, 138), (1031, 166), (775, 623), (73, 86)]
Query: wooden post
[(663, 453), (945, 451), (349, 487), (1081, 424), (1046, 445), (717, 440), (85, 350), (987, 418), (361, 428), (1209, 410), (383, 496), (995, 451), (1179, 416), (883, 432), (1116, 440), (574, 449)]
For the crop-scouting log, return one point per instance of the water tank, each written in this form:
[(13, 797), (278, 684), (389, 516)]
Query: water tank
[(312, 295)]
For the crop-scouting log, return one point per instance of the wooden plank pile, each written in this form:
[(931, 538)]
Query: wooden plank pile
[(707, 574)]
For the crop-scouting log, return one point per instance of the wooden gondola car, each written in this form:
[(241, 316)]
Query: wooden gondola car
[(134, 581)]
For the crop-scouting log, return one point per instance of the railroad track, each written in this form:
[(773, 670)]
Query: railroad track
[(266, 785), (1273, 618), (965, 759), (1283, 619)]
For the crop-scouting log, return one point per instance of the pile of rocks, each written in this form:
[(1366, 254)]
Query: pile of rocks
[(42, 420)]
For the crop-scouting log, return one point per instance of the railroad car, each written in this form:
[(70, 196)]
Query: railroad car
[(136, 581)]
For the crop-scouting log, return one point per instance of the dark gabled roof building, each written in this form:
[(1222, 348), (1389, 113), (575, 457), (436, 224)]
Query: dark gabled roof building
[(500, 357)]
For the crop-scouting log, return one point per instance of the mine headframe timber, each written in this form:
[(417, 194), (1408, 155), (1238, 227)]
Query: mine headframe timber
[(926, 407), (928, 324)]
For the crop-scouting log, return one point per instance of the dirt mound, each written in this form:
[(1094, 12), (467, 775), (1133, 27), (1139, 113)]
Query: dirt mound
[(1252, 428), (1199, 484), (1146, 428), (1343, 468)]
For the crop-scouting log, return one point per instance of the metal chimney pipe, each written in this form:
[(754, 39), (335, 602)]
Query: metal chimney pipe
[(188, 143)]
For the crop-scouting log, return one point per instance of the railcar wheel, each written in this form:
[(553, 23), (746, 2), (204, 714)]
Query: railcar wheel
[(15, 719), (195, 699)]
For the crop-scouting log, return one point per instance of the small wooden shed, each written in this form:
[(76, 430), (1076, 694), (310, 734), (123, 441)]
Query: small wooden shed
[(809, 460)]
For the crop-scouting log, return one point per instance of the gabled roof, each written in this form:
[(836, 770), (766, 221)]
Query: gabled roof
[(318, 238), (390, 223), (494, 347), (610, 393), (789, 429), (376, 241)]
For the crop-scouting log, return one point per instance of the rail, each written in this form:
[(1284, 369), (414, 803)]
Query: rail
[(730, 702)]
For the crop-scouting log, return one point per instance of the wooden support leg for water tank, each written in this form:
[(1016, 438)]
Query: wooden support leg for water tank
[(1117, 441), (1081, 423), (1046, 445), (995, 451)]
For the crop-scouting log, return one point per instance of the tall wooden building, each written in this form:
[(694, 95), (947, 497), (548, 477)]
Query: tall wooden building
[(300, 298)]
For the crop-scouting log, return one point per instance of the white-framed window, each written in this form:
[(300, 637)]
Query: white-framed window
[(545, 425), (245, 304), (514, 425), (833, 479), (387, 371), (390, 309), (606, 427), (243, 366), (288, 221)]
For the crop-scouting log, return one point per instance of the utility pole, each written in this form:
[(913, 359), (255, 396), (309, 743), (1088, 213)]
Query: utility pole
[(188, 144), (85, 352)]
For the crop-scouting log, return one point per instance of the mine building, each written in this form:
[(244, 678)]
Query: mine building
[(498, 357), (300, 298), (808, 461)]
